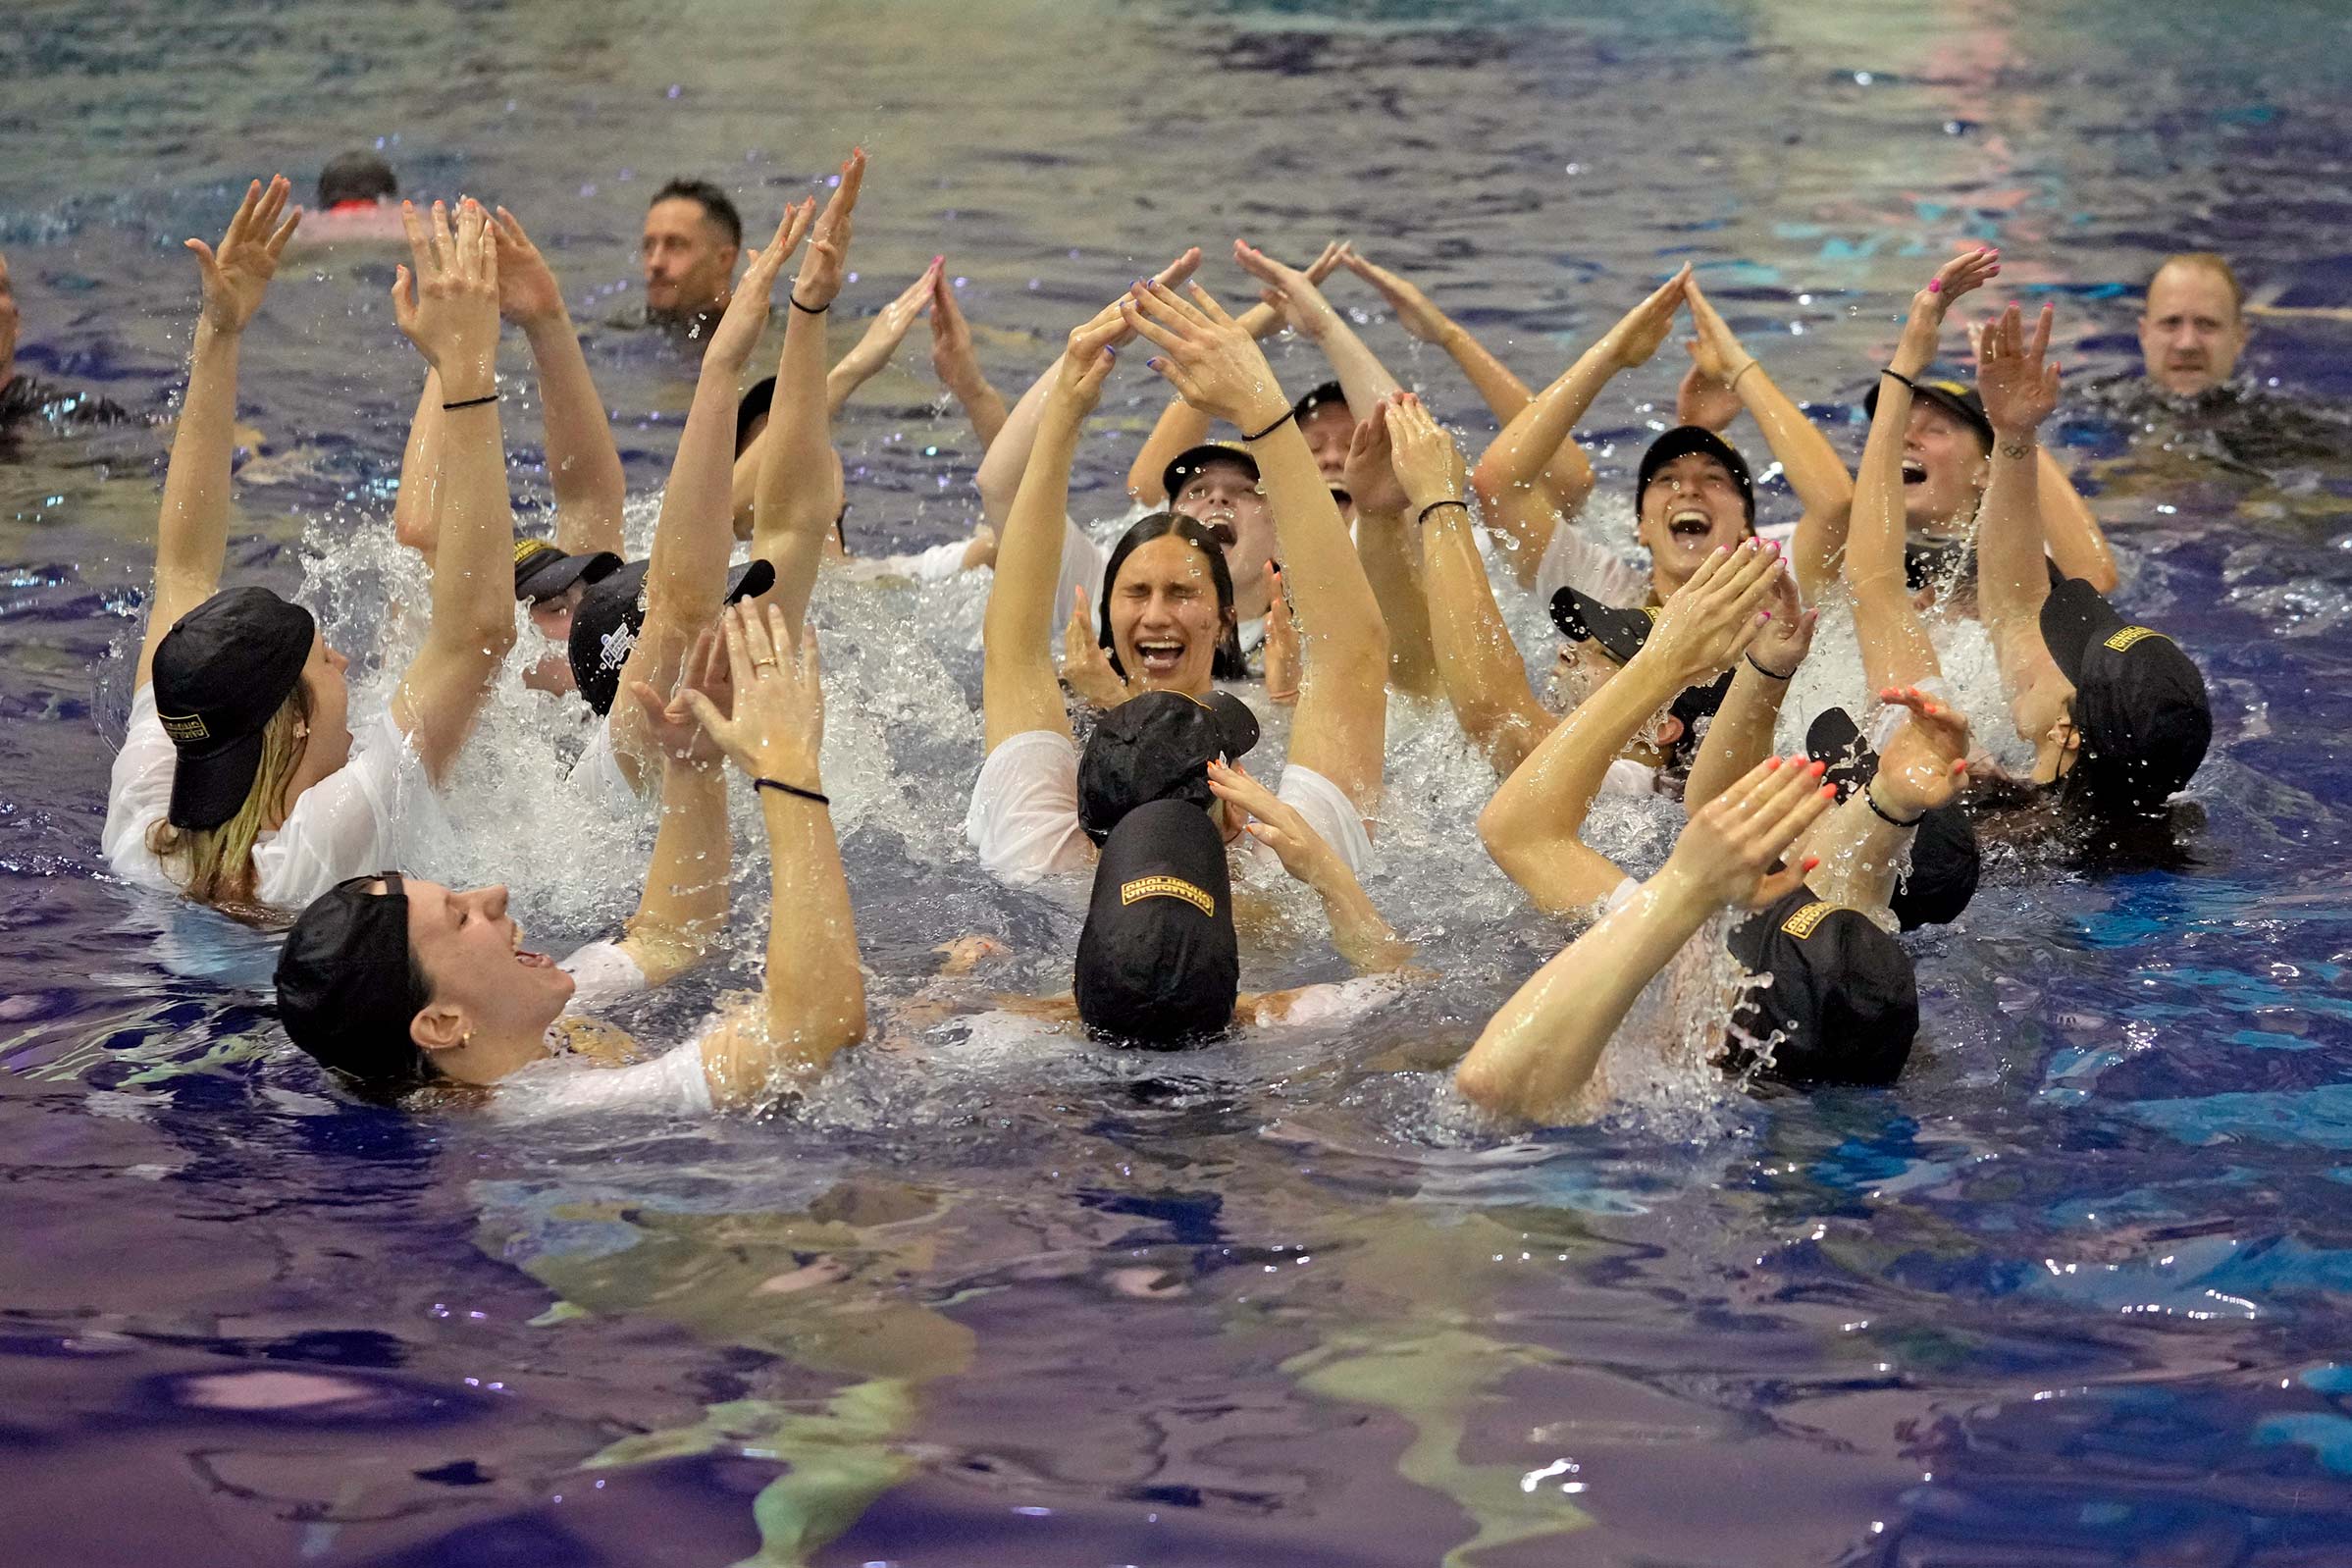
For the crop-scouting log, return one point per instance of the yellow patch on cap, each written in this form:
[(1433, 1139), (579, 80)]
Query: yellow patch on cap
[(184, 727), (1806, 921), (1166, 887), (524, 548), (2130, 635), (1951, 386), (1650, 610)]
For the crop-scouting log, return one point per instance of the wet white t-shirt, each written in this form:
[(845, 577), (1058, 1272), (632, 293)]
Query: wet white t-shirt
[(1570, 561), (348, 824), (1023, 818), (672, 1083)]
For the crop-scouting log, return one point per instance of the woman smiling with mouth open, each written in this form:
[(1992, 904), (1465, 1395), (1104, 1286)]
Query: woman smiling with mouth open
[(1168, 595)]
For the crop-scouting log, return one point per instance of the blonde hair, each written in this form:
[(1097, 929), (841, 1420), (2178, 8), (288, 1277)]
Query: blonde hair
[(215, 864), (2211, 261)]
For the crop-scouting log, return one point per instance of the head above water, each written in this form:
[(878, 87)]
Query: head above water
[(1947, 445), (1324, 420), (1692, 495), (2193, 324), (1158, 962), (692, 238), (1158, 746), (1167, 607), (396, 982), (1218, 487), (1840, 993), (2140, 716), (356, 178)]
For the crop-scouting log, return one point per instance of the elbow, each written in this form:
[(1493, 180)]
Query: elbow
[(2102, 576), (1476, 1080)]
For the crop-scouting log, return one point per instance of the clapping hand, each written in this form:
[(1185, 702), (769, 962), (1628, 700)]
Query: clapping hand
[(1370, 476), (738, 330), (777, 726), (890, 325), (239, 273), (1412, 309), (1210, 360), (1290, 291), (827, 262), (528, 294), (670, 722), (1285, 665), (2015, 374), (448, 307), (1427, 463), (1728, 852), (1639, 333), (1717, 616), (1788, 635)]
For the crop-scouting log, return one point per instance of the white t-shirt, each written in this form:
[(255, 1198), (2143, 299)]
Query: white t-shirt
[(937, 564), (1570, 561), (348, 824), (672, 1083), (1023, 818)]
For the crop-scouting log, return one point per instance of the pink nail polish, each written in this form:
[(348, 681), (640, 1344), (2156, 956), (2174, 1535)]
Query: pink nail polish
[(1935, 286)]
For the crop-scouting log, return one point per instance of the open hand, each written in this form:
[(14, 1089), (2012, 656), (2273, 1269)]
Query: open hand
[(1369, 476), (776, 727), (1210, 360), (1285, 665), (528, 294), (1289, 290), (1727, 852), (1717, 616), (1427, 463), (1965, 273), (1637, 334), (448, 307), (1925, 765), (1411, 307), (827, 262), (2015, 374), (745, 317), (670, 723), (1273, 821), (239, 273), (1087, 663), (1788, 635)]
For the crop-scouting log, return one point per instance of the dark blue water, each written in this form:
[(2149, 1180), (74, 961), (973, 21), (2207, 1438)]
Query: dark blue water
[(2079, 1291)]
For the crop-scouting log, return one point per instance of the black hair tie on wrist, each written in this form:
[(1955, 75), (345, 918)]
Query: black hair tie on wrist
[(1901, 376), (1289, 414), (1433, 506), (1870, 799), (1768, 674), (813, 310), (470, 403), (759, 784)]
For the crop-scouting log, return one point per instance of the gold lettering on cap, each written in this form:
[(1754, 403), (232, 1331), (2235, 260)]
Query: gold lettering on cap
[(1806, 921), (524, 548), (1166, 887), (2123, 641), (1650, 610), (184, 727)]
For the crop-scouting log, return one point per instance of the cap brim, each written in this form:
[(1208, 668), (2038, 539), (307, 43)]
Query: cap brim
[(751, 580), (1192, 460), (1236, 725), (2075, 618), (1928, 392), (558, 575), (1581, 618), (207, 789), (1836, 741)]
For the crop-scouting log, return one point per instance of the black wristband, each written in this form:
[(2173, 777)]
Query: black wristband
[(813, 310), (760, 784), (1901, 376), (1433, 506), (1768, 674), (470, 402), (1871, 800), (1289, 414)]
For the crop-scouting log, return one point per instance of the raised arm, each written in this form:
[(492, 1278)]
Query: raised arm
[(448, 307), (1363, 938), (1517, 458), (416, 509), (1812, 466), (583, 467), (999, 478), (1865, 840), (1739, 735), (686, 574), (815, 993), (958, 366), (1363, 380), (883, 335), (192, 537), (2020, 387), (1018, 689), (799, 493), (1896, 650), (1478, 665), (1536, 1056), (1384, 545), (683, 911), (1533, 824), (1342, 716), (1503, 394)]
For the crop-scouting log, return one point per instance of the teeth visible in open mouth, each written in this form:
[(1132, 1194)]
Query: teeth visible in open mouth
[(1160, 657), (1690, 520), (1914, 472)]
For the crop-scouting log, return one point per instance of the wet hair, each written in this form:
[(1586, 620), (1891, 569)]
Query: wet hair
[(1229, 664), (356, 176), (713, 201), (2211, 261), (215, 864)]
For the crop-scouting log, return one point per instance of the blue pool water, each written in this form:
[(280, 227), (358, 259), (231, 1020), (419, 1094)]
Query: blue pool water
[(2079, 1291)]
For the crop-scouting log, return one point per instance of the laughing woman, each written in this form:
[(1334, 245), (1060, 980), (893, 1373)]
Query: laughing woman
[(241, 783), (1168, 616)]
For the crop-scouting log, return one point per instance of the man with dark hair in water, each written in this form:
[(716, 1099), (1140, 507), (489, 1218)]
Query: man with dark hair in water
[(692, 234)]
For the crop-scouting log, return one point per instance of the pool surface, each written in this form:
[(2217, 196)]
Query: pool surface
[(2079, 1291)]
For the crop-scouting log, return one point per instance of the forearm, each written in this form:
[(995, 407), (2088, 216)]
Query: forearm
[(584, 466), (1340, 619), (1503, 392), (1813, 469), (1363, 380), (684, 908), (1858, 849), (685, 576), (1738, 738), (1478, 664), (416, 511), (815, 990), (1001, 468), (1533, 824), (2072, 536), (2010, 576), (473, 564), (1180, 427), (983, 404), (192, 539), (1528, 443), (1896, 650), (798, 495), (1367, 942), (855, 370), (1381, 545), (1018, 690), (1537, 1056)]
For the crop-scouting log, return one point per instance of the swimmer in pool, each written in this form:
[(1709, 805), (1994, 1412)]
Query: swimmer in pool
[(358, 203), (25, 398), (2193, 325), (240, 782), (400, 984), (689, 245), (1169, 613)]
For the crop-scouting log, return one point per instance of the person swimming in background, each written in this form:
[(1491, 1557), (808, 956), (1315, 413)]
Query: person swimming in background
[(691, 241), (400, 984), (26, 400), (358, 203), (2193, 325), (241, 783)]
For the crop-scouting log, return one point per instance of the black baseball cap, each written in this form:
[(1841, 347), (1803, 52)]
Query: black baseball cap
[(1841, 995), (221, 673), (541, 571), (1956, 399), (1156, 746), (605, 625), (1620, 632), (1318, 396), (1680, 441), (2140, 705), (347, 986), (1158, 964), (756, 405), (1946, 861), (1190, 463)]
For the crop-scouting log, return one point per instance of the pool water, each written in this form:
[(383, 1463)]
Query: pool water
[(2079, 1289)]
